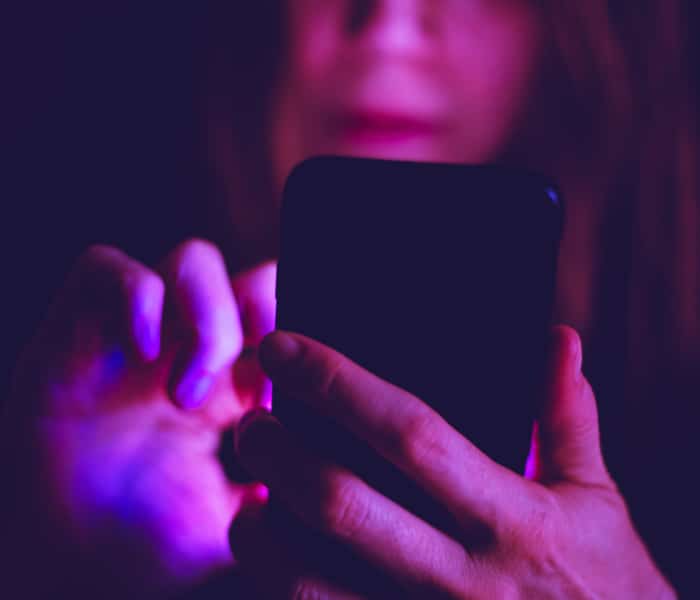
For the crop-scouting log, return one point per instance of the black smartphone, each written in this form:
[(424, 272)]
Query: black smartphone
[(436, 277)]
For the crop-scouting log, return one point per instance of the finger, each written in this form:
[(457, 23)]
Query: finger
[(206, 316), (255, 296), (396, 424), (277, 559), (568, 434), (333, 501), (107, 285)]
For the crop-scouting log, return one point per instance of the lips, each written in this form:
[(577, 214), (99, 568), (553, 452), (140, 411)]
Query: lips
[(383, 127)]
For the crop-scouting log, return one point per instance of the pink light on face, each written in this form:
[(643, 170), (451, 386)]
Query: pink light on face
[(383, 126), (404, 79), (383, 134)]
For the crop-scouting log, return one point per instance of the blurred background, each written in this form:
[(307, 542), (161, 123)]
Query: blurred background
[(99, 119), (101, 122), (100, 115)]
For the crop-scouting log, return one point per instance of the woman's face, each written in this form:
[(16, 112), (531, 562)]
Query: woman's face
[(425, 80)]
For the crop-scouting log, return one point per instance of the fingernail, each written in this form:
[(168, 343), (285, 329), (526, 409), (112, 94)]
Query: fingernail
[(193, 390), (570, 346), (566, 353), (147, 339), (578, 359), (278, 349)]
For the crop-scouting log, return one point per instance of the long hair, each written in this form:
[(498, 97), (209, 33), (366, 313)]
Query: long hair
[(631, 65), (619, 102), (628, 114), (665, 278)]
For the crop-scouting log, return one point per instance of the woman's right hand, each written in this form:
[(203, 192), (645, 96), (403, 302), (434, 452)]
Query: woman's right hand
[(114, 449)]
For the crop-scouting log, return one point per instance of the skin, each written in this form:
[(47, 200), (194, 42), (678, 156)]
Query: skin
[(122, 397), (111, 394), (465, 69), (561, 532)]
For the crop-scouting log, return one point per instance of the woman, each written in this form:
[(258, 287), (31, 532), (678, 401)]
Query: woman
[(135, 482)]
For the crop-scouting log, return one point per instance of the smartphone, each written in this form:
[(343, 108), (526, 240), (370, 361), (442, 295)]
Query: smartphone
[(438, 278)]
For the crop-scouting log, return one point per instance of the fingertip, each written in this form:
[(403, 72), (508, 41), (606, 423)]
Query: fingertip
[(253, 501), (565, 336), (277, 349), (566, 350), (259, 494)]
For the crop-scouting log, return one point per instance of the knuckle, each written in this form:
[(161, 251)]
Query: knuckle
[(198, 249), (420, 439), (325, 375), (96, 258), (96, 273), (189, 263), (213, 349), (505, 588), (99, 252), (142, 284), (210, 342), (218, 330), (342, 511), (228, 346), (536, 533)]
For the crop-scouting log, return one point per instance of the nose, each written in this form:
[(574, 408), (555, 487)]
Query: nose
[(395, 27)]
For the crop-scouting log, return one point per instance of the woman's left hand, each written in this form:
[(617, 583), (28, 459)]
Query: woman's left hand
[(563, 531)]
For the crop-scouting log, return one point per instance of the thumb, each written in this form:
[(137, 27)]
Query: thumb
[(568, 433)]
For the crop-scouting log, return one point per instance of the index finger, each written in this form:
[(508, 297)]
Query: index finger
[(199, 291), (399, 426)]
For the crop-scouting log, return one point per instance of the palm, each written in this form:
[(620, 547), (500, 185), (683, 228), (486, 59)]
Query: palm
[(145, 472), (131, 495)]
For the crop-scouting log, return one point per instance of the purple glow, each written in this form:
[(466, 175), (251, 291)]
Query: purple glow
[(553, 196), (113, 364)]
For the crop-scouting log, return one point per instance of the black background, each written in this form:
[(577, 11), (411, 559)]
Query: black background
[(100, 126)]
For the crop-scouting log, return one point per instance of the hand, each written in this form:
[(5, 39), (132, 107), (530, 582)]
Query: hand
[(115, 448), (561, 532)]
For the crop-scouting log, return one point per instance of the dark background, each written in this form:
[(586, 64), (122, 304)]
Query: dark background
[(103, 145), (100, 122)]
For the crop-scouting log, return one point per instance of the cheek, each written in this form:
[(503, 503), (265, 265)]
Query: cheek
[(313, 27), (493, 72), (310, 62), (480, 67)]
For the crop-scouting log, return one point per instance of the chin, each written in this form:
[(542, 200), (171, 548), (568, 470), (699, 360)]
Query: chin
[(405, 151)]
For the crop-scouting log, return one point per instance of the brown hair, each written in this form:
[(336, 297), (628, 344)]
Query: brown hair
[(636, 63), (630, 65), (664, 318), (618, 101), (625, 112)]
